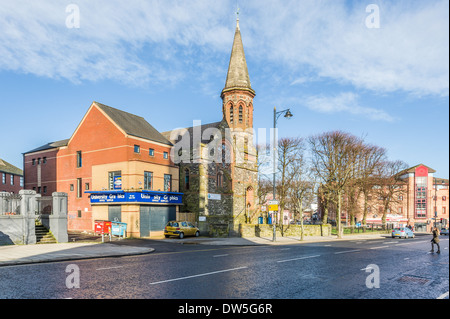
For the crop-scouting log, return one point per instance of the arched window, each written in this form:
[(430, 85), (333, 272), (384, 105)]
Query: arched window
[(231, 114), (220, 179), (241, 114), (186, 178)]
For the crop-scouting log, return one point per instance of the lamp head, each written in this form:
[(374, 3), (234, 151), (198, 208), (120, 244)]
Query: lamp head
[(288, 114)]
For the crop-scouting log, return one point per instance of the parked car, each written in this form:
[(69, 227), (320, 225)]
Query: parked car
[(402, 232), (444, 231), (180, 229)]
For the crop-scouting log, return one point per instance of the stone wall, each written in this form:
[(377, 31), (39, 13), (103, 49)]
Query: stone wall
[(264, 230)]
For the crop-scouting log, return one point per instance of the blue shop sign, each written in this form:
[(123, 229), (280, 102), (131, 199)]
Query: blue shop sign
[(135, 197)]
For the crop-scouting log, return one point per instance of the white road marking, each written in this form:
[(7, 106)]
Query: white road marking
[(347, 251), (299, 258), (106, 268), (379, 247), (443, 296), (224, 255), (194, 276)]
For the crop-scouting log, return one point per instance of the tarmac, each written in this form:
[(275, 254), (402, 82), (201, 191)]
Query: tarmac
[(92, 247)]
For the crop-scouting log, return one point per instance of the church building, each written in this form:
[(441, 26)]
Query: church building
[(217, 161)]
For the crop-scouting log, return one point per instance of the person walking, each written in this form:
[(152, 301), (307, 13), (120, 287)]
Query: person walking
[(435, 240)]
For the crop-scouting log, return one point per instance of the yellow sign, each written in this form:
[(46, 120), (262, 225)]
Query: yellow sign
[(273, 208)]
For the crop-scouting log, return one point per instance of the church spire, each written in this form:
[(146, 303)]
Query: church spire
[(237, 77)]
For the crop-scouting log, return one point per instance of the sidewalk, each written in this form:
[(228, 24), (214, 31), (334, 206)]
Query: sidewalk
[(255, 241), (27, 254), (38, 253)]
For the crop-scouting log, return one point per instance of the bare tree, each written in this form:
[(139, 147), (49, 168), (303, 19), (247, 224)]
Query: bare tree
[(301, 190), (290, 151), (372, 157), (335, 157), (389, 187)]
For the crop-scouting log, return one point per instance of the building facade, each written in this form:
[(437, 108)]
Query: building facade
[(420, 201), (218, 171), (11, 178), (115, 166)]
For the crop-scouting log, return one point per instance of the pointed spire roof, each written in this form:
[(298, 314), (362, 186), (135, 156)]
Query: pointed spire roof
[(237, 77)]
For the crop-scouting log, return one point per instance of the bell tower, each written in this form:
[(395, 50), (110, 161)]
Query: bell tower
[(237, 95)]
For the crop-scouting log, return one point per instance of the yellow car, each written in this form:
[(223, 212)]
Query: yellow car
[(180, 229)]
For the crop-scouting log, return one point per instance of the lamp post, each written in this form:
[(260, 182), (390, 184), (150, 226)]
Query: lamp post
[(287, 114)]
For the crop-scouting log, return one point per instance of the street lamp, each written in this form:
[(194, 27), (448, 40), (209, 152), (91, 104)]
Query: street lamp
[(287, 114)]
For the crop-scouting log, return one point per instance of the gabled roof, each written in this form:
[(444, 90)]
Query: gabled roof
[(6, 167), (133, 125), (48, 146), (190, 131), (413, 169), (237, 77)]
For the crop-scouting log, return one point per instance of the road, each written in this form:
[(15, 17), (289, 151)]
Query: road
[(384, 268)]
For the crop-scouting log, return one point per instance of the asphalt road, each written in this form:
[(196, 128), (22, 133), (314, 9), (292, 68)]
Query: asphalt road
[(358, 269)]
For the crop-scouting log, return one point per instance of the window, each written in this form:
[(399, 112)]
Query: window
[(220, 179), (86, 186), (79, 213), (71, 187), (45, 189), (148, 180), (246, 149), (79, 159), (444, 198), (151, 152), (39, 160), (167, 183), (3, 178), (166, 155), (12, 179), (79, 190), (444, 210), (231, 114), (21, 181), (400, 210), (400, 197), (44, 160), (241, 112), (115, 180), (186, 179), (33, 161), (137, 149)]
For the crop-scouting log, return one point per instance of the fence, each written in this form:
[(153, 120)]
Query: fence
[(364, 228), (19, 213), (10, 204)]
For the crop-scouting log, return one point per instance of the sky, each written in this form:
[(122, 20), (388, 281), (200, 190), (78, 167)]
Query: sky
[(376, 69)]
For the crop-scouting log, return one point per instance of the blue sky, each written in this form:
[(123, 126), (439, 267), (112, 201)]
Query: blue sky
[(167, 61)]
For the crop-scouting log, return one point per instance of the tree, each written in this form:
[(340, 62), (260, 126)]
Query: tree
[(389, 187), (371, 160), (290, 151), (335, 157), (301, 189)]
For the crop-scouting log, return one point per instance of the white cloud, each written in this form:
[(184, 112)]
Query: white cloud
[(162, 41), (348, 103)]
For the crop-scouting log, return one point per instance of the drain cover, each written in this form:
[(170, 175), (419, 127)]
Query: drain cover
[(413, 279)]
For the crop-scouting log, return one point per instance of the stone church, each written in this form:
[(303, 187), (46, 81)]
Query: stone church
[(217, 161)]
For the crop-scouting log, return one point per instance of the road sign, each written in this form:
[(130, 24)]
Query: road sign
[(273, 208), (273, 202)]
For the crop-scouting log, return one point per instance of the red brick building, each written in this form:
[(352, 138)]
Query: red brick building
[(11, 178), (112, 154)]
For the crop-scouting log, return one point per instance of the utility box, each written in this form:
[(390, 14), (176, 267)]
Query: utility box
[(102, 227), (118, 229)]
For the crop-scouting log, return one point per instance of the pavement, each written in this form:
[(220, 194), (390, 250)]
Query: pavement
[(92, 247)]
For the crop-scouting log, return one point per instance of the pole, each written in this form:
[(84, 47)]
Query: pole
[(274, 169)]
